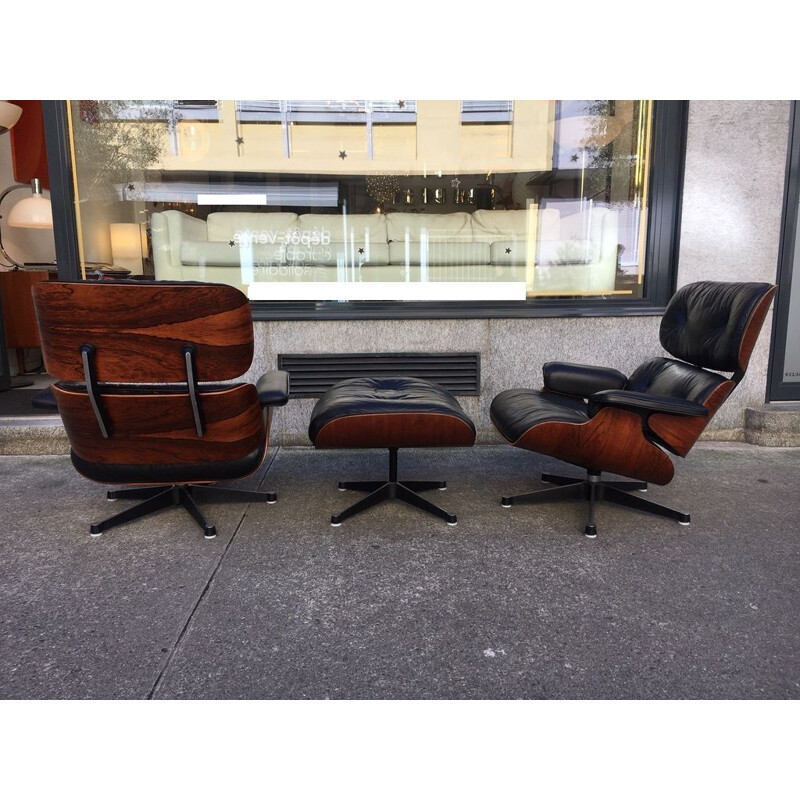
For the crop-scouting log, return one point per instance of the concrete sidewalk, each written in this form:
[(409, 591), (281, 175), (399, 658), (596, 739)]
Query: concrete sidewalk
[(396, 604)]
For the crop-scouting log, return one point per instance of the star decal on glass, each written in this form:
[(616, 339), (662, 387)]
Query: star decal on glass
[(573, 157), (361, 251), (131, 187), (239, 140), (343, 154), (401, 103), (508, 249), (231, 243), (455, 183)]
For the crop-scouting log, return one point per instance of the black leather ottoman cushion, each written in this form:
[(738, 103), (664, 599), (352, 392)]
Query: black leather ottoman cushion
[(389, 412)]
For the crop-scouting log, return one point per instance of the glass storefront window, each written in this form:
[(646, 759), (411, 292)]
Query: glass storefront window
[(368, 200)]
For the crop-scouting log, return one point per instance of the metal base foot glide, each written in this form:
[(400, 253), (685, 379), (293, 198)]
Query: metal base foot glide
[(393, 489), (594, 489), (156, 498)]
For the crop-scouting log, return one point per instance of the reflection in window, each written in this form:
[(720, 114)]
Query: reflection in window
[(167, 110), (483, 111), (372, 199), (290, 113)]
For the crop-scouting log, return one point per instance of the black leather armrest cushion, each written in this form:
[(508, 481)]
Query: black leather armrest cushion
[(580, 380), (273, 388), (640, 402)]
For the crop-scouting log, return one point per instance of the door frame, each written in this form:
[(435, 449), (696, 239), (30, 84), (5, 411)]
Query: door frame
[(778, 389)]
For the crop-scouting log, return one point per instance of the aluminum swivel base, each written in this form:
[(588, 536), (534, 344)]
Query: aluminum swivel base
[(157, 498), (594, 489), (392, 490)]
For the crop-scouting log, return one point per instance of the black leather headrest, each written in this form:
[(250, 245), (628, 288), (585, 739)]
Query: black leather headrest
[(705, 322)]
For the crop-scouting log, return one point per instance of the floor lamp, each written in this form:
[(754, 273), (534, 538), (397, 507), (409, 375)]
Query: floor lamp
[(34, 211)]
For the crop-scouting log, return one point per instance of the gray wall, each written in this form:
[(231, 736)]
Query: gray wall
[(732, 202), (733, 191)]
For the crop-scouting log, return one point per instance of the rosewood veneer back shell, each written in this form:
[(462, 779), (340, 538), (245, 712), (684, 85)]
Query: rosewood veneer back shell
[(137, 347), (138, 331), (159, 428)]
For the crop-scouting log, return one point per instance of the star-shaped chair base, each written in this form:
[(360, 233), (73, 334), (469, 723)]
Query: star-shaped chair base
[(594, 489), (406, 491), (157, 498)]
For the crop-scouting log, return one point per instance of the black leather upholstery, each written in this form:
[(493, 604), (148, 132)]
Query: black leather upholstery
[(644, 403), (704, 322), (273, 388), (580, 380), (670, 378), (392, 395), (517, 410)]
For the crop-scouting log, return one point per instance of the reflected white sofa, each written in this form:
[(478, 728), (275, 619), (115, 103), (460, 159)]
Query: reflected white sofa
[(573, 253)]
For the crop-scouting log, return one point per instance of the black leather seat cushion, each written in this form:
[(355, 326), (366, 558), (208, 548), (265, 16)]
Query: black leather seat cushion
[(392, 395), (515, 411)]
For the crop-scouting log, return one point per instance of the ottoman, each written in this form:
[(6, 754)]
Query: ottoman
[(390, 413)]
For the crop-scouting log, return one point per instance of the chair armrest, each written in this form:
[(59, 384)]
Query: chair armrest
[(273, 388), (645, 404), (580, 380)]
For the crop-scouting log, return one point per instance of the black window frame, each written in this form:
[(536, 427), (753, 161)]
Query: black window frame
[(777, 389), (667, 160)]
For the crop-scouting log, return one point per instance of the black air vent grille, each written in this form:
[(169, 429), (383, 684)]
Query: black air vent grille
[(311, 375)]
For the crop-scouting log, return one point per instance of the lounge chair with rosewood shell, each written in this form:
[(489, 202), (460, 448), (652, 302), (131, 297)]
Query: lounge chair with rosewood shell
[(599, 419), (138, 368)]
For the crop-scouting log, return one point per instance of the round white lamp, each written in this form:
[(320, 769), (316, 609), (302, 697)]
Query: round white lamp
[(32, 212), (9, 114)]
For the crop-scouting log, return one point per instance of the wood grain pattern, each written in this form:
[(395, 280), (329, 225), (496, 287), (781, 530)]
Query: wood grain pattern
[(611, 441), (396, 430), (159, 428), (680, 433), (139, 330), (753, 328)]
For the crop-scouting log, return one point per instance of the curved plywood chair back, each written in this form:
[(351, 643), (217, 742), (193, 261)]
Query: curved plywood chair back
[(139, 330), (138, 367)]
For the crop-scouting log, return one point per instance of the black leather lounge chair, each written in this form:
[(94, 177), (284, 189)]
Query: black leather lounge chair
[(138, 366), (599, 419)]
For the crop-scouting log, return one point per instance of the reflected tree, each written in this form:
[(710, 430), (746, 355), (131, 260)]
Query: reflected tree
[(116, 139)]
